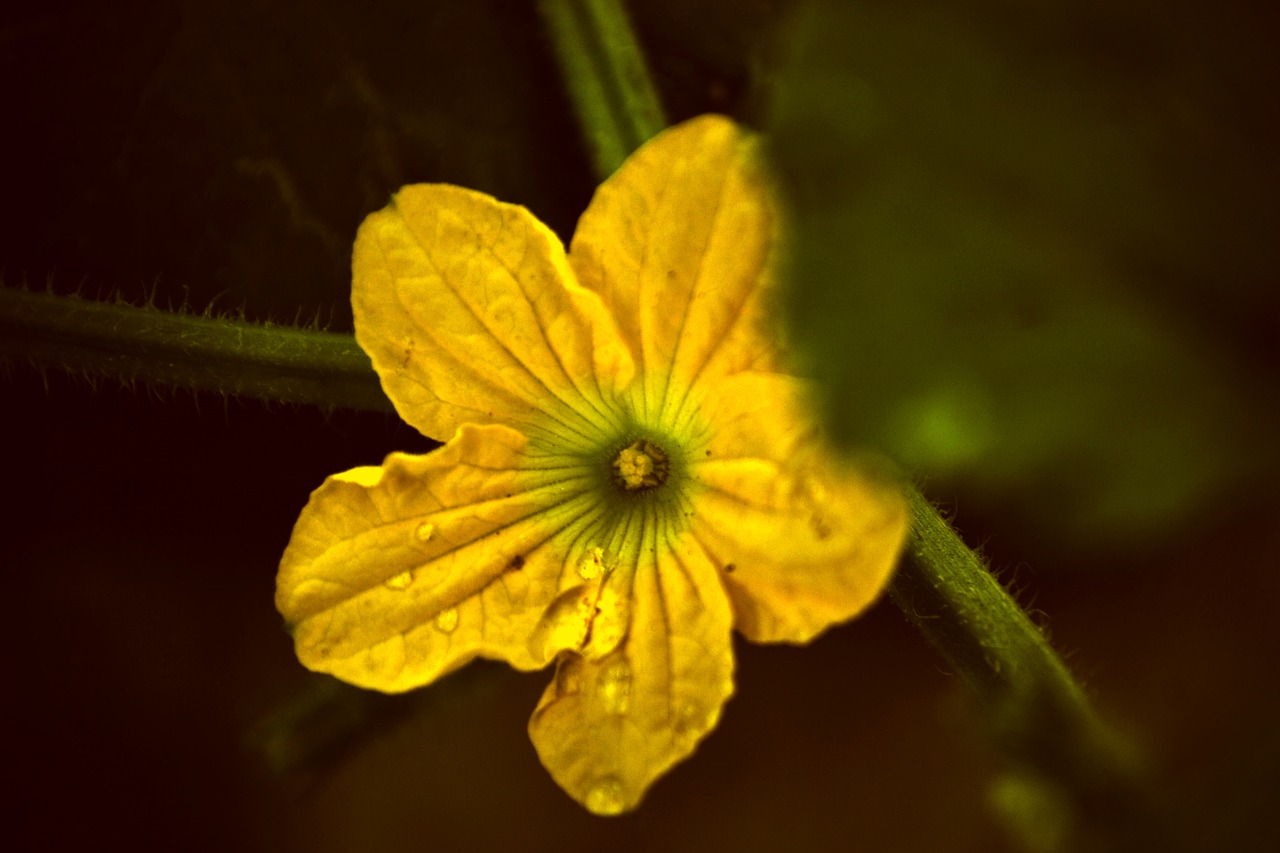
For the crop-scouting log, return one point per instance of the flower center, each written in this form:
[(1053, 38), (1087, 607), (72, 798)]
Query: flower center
[(640, 465)]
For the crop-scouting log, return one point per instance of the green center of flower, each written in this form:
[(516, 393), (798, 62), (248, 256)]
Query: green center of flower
[(640, 465)]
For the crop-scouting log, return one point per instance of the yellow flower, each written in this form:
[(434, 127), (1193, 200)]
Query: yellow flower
[(628, 478)]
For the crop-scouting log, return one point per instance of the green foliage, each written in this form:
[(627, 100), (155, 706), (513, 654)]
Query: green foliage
[(1010, 268)]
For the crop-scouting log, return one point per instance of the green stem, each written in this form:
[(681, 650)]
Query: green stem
[(187, 351), (1066, 762), (944, 589), (607, 77)]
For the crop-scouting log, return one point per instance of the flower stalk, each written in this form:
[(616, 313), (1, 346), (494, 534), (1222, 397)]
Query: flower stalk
[(1064, 760), (197, 352), (607, 78)]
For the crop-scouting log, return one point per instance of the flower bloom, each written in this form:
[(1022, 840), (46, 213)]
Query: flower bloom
[(628, 475)]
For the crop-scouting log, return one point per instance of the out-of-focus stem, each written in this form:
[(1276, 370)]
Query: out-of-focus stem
[(607, 78)]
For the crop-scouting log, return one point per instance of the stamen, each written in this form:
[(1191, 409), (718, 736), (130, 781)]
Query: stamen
[(641, 465)]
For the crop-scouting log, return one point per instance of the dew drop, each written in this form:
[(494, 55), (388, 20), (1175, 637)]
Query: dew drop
[(605, 797), (614, 686), (569, 677), (447, 620), (424, 531), (687, 720), (400, 581), (563, 625), (608, 624), (592, 564)]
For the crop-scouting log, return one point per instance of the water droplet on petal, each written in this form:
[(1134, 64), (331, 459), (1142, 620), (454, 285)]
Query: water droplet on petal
[(687, 720), (608, 625), (424, 531), (592, 564), (447, 620), (400, 581), (563, 624), (569, 677), (605, 797), (614, 686)]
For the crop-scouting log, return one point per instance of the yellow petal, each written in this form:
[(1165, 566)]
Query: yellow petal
[(803, 538), (471, 314), (589, 618), (677, 243), (607, 728), (399, 574)]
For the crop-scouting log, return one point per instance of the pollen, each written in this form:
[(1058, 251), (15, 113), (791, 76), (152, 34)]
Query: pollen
[(640, 465)]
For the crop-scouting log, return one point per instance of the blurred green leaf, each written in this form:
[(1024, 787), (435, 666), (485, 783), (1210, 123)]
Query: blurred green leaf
[(1036, 248)]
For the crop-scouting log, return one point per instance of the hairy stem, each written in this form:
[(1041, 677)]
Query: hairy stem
[(157, 347), (1067, 763)]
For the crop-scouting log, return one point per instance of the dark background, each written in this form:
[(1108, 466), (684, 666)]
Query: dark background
[(193, 154)]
